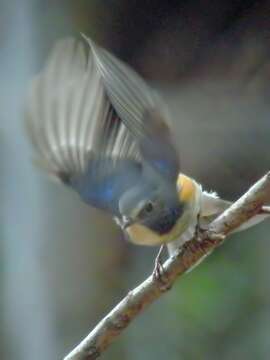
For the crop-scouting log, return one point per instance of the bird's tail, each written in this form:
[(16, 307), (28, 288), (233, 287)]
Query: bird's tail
[(213, 206)]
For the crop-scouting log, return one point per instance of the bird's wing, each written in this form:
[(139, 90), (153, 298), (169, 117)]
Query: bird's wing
[(141, 110), (78, 136)]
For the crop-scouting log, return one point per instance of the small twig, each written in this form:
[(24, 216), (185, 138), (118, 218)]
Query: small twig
[(111, 326)]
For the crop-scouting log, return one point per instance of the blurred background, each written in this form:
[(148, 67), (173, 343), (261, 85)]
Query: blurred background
[(64, 265)]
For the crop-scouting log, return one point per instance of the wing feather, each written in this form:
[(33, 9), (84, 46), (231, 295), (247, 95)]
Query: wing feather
[(94, 123), (141, 110), (69, 115)]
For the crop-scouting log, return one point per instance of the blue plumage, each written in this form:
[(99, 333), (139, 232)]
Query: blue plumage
[(105, 133), (104, 182)]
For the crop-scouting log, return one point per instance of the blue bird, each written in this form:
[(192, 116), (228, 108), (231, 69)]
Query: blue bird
[(101, 130)]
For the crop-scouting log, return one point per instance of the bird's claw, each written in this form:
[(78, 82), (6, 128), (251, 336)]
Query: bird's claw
[(159, 273), (199, 230)]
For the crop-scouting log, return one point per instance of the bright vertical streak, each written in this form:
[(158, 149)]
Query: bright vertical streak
[(28, 316)]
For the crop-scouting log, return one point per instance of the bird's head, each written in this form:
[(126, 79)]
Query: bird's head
[(156, 207)]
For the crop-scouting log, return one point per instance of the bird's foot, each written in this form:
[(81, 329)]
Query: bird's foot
[(159, 273), (199, 230)]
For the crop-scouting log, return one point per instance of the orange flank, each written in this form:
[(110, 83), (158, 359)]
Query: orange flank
[(187, 186)]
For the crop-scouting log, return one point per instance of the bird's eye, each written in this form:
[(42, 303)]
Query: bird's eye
[(149, 207), (146, 210)]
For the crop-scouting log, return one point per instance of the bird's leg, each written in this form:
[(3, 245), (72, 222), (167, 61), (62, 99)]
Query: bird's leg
[(159, 272), (198, 227), (158, 269), (199, 230)]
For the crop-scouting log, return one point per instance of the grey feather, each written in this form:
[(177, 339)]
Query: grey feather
[(68, 114), (97, 126), (141, 110)]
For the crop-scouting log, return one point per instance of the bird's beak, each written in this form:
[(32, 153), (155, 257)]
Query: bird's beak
[(126, 222)]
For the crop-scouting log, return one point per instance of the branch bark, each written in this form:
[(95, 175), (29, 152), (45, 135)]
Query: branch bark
[(193, 252)]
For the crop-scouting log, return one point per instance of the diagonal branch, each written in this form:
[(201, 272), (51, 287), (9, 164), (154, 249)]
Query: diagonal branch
[(111, 326)]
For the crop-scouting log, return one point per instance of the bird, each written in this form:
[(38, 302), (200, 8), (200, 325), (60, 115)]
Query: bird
[(98, 128)]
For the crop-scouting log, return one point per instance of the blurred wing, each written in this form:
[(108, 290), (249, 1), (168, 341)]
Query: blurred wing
[(141, 110), (77, 135)]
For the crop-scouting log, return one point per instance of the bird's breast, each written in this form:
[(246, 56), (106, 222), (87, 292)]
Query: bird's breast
[(142, 235)]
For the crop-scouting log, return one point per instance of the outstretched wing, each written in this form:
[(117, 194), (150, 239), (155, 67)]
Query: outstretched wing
[(141, 110), (93, 121), (75, 130)]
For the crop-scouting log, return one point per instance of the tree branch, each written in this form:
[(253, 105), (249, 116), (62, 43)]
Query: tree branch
[(111, 326)]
